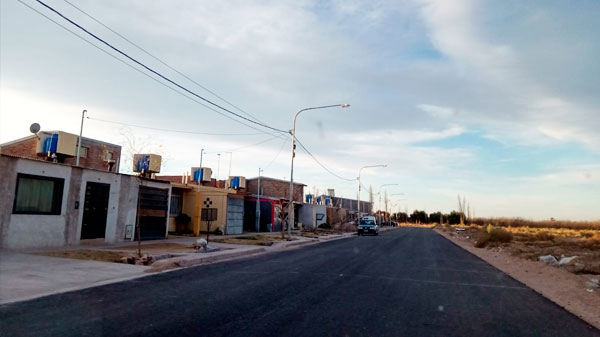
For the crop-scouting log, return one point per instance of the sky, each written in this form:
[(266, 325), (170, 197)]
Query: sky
[(496, 101)]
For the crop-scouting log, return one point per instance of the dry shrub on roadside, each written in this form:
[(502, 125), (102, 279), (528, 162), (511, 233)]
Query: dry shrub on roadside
[(544, 236), (482, 239), (500, 235), (492, 235)]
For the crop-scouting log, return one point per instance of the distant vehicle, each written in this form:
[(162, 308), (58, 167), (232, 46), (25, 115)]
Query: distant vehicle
[(368, 217), (367, 226)]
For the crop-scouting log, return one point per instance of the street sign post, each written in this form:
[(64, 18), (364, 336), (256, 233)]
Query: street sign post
[(208, 214)]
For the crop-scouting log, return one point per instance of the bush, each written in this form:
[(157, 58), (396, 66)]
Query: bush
[(482, 239), (325, 225), (544, 236), (183, 219), (492, 234), (500, 235)]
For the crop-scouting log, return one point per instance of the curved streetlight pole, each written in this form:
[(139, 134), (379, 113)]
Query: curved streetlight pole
[(293, 133), (359, 185)]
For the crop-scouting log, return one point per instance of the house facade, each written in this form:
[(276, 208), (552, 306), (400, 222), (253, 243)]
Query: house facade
[(47, 204), (275, 193)]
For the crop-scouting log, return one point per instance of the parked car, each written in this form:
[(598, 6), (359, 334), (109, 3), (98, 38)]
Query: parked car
[(368, 217), (367, 226)]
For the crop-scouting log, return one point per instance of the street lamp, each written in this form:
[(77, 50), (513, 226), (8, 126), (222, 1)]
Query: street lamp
[(359, 184), (293, 133)]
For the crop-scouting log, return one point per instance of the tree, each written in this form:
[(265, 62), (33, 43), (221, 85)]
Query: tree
[(133, 144), (401, 217), (436, 217), (454, 218), (419, 217), (463, 208)]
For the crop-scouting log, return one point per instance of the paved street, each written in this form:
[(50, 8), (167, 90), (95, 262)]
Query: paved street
[(404, 282)]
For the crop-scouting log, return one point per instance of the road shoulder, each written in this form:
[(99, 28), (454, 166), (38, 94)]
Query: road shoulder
[(559, 286)]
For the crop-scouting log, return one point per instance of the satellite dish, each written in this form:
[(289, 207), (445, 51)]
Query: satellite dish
[(34, 128)]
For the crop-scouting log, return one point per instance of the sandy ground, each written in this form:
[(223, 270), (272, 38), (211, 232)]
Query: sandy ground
[(568, 290)]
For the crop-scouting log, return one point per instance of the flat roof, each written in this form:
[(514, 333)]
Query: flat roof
[(275, 179), (56, 131)]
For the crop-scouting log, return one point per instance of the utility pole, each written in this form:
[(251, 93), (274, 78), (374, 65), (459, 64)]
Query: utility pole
[(359, 186), (230, 158), (79, 140), (293, 133), (258, 203), (218, 165)]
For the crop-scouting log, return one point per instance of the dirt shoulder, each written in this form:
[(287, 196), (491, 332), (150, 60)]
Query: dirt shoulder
[(568, 290)]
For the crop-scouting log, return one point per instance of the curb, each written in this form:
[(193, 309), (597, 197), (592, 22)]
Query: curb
[(191, 260)]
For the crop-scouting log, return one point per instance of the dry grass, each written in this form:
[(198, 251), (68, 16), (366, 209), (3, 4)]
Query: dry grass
[(497, 234), (518, 222), (160, 247), (408, 224), (87, 254), (258, 240)]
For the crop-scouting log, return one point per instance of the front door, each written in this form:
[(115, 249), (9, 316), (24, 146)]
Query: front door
[(95, 209)]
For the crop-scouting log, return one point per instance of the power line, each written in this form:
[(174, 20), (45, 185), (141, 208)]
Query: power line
[(157, 73), (276, 156), (318, 162), (245, 146), (139, 71), (176, 131), (161, 61)]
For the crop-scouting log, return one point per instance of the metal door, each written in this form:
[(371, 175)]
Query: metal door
[(235, 216), (152, 212), (95, 210)]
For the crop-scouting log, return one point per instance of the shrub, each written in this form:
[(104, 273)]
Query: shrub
[(492, 234), (325, 225), (500, 235), (544, 236), (482, 239)]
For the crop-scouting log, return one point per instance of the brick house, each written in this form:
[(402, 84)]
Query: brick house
[(95, 154), (274, 196)]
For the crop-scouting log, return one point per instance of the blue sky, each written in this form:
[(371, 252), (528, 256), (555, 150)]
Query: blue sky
[(495, 100)]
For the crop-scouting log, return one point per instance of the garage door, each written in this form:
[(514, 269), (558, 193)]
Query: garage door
[(235, 216)]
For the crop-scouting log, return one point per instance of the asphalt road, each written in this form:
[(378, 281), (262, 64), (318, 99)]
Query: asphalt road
[(404, 282)]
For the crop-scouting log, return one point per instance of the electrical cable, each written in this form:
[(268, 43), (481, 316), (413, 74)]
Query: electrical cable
[(161, 61), (276, 156), (318, 162), (176, 131), (138, 70), (157, 73), (245, 146)]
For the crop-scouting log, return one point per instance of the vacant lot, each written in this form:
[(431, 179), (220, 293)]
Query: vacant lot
[(532, 242)]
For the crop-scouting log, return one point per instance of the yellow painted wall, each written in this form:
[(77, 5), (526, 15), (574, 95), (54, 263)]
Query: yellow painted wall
[(193, 201)]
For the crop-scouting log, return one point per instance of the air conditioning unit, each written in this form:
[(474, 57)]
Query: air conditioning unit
[(202, 174), (57, 143), (237, 182), (147, 163)]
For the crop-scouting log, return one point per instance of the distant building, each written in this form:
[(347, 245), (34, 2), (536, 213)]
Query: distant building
[(61, 147), (274, 197)]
